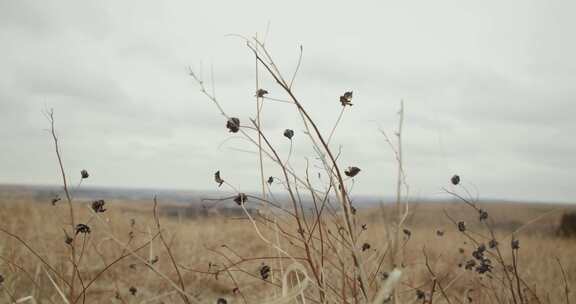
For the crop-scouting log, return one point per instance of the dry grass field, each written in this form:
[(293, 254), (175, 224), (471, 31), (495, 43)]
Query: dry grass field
[(208, 252)]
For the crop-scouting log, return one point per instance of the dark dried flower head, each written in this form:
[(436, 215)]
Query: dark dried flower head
[(470, 264), (288, 133), (461, 226), (261, 93), (154, 260), (133, 290), (270, 180), (82, 228), (98, 206), (439, 232), (420, 295), (240, 199), (55, 200), (365, 246), (221, 301), (483, 214), (264, 271), (233, 124), (455, 179), (1, 279), (346, 99), (364, 227), (352, 171), (515, 243), (218, 179), (479, 252), (236, 290), (484, 266), (384, 276), (84, 174), (67, 239), (493, 244), (407, 232)]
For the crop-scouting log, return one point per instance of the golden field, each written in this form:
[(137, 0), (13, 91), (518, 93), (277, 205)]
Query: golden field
[(221, 256)]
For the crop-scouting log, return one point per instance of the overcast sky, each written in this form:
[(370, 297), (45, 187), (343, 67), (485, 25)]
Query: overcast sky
[(489, 90)]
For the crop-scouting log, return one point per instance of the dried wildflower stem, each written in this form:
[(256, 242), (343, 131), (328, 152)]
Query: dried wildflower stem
[(50, 116), (169, 251), (273, 71), (566, 289)]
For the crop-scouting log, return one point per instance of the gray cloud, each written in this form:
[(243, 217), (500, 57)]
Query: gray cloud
[(488, 96)]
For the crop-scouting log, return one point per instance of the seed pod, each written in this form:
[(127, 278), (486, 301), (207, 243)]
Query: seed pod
[(346, 99), (493, 244), (288, 133), (515, 243), (483, 214), (461, 226), (264, 271), (240, 199), (133, 290), (270, 180), (221, 301), (352, 171), (365, 246), (84, 174), (455, 179), (55, 200), (82, 228), (98, 206), (261, 92), (233, 124), (218, 179)]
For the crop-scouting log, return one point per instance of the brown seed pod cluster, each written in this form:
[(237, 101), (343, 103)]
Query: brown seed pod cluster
[(84, 174), (352, 171), (233, 124), (98, 206), (82, 228), (240, 199), (346, 99)]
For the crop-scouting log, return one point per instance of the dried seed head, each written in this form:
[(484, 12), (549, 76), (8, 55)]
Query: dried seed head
[(264, 271), (133, 290), (352, 171), (240, 199), (221, 301), (98, 206), (455, 179), (461, 226), (479, 252), (1, 279), (439, 232), (233, 124), (493, 244), (346, 99), (84, 174), (420, 295), (270, 180), (218, 179), (154, 260), (470, 264), (67, 239), (515, 243), (483, 215), (82, 228), (235, 290), (407, 232), (365, 246), (288, 133), (364, 227), (55, 200), (261, 93)]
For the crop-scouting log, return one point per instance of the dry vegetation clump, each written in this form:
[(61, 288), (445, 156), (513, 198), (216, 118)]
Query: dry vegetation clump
[(281, 250)]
